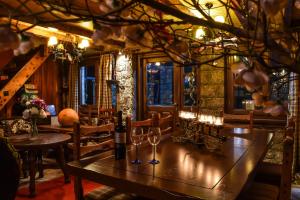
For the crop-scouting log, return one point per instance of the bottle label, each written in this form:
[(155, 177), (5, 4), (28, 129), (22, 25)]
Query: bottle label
[(120, 138)]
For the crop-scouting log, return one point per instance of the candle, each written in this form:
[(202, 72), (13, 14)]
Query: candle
[(219, 121), (209, 119)]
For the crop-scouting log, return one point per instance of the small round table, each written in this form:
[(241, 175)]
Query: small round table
[(38, 143)]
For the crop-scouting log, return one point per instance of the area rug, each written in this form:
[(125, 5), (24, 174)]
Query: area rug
[(55, 189)]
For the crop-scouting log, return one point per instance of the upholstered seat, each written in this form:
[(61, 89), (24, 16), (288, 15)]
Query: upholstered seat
[(261, 191), (107, 193), (269, 173)]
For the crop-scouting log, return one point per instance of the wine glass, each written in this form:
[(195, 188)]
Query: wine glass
[(136, 137), (154, 134)]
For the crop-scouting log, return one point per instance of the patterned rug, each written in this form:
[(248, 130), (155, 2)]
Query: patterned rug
[(52, 186)]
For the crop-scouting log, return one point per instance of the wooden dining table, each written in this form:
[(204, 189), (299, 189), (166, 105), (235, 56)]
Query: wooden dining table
[(185, 171), (39, 143)]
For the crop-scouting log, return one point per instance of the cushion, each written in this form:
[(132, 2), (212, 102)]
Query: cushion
[(107, 193), (261, 191), (103, 192), (15, 126), (269, 173)]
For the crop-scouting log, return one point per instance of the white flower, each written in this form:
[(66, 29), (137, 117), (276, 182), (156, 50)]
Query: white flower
[(43, 114), (34, 111), (27, 103), (26, 114)]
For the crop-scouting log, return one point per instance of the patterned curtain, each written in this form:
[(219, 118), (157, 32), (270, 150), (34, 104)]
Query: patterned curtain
[(104, 99), (294, 111), (73, 86)]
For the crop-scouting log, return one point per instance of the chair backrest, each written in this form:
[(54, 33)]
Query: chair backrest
[(81, 132), (166, 124), (164, 111), (236, 119), (259, 118), (287, 162), (87, 112), (130, 124)]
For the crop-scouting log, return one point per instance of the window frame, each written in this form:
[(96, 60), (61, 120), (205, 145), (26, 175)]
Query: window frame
[(89, 62)]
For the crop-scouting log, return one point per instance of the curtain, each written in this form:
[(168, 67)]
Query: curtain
[(104, 99), (73, 86), (294, 111)]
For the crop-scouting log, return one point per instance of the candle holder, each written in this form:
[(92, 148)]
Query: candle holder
[(201, 129)]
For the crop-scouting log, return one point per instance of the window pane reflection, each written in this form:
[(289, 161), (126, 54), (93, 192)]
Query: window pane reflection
[(190, 87), (87, 85), (159, 83)]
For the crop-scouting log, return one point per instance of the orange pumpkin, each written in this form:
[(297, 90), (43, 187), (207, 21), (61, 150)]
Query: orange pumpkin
[(67, 117)]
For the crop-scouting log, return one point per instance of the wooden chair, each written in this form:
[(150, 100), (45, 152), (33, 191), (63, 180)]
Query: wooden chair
[(130, 124), (85, 134), (79, 151), (166, 124), (164, 111), (261, 119), (234, 121), (87, 112), (271, 173), (259, 191)]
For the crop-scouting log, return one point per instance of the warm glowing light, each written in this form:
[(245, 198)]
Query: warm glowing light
[(52, 41), (157, 63), (60, 46), (84, 44), (220, 19), (87, 25), (187, 115), (219, 121), (196, 13), (200, 33), (52, 29)]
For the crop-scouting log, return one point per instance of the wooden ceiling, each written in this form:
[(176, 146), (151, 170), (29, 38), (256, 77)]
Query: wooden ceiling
[(66, 15), (52, 13)]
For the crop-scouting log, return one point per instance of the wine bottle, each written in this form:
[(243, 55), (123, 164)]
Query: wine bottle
[(120, 139)]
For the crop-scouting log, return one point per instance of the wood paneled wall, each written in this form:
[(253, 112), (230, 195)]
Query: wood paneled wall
[(48, 81)]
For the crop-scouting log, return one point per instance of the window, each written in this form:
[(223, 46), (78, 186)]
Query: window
[(240, 96), (87, 85), (279, 85), (159, 83), (189, 86), (277, 89)]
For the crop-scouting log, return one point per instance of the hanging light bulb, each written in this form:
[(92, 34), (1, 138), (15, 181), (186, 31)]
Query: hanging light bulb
[(52, 41), (83, 44), (200, 33), (220, 19)]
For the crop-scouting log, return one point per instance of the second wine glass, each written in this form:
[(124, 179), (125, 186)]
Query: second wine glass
[(136, 137), (153, 136)]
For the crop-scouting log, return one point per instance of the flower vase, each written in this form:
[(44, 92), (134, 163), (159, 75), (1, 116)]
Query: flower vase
[(34, 129)]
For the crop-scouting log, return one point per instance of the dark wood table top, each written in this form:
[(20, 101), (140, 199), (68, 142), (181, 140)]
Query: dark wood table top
[(57, 128), (42, 140), (185, 170)]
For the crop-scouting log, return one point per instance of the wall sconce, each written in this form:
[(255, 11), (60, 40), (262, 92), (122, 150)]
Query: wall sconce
[(52, 41), (200, 33), (220, 19), (83, 44)]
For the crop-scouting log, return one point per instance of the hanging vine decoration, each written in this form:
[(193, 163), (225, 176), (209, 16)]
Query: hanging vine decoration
[(254, 29)]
